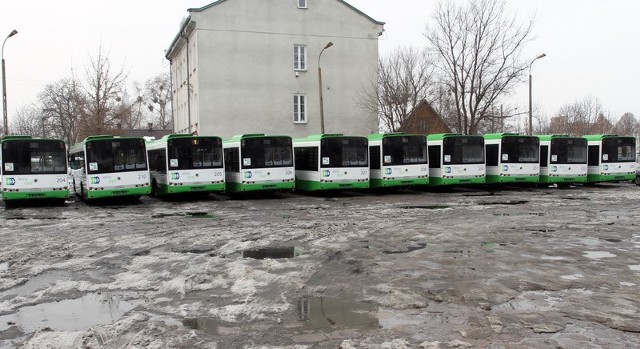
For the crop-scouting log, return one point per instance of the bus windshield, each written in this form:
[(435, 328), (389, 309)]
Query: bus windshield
[(34, 156), (116, 155), (568, 151), (619, 149), (265, 152), (344, 152), (404, 150), (194, 153), (521, 150), (463, 150)]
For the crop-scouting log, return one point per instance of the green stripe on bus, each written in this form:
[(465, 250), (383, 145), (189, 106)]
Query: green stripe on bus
[(385, 183), (111, 193), (26, 195), (315, 185)]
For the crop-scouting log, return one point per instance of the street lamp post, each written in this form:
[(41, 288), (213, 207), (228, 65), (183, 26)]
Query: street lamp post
[(530, 99), (329, 44), (4, 87)]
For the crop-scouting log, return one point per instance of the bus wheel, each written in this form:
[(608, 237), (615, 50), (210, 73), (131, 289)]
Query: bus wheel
[(637, 180)]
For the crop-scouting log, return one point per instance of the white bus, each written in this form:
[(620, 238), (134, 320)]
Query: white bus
[(184, 163), (258, 162), (33, 168), (109, 166)]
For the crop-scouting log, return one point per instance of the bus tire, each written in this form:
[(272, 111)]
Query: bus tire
[(637, 181), (82, 198)]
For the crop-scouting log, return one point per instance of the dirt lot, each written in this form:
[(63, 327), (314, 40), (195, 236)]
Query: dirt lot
[(507, 268)]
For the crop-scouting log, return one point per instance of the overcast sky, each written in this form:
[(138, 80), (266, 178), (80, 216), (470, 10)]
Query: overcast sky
[(592, 46)]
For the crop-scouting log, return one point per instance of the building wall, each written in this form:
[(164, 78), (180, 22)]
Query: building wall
[(242, 74)]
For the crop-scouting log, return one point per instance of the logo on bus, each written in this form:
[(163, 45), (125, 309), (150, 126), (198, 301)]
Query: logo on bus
[(248, 174), (175, 175), (447, 169), (326, 173), (554, 168), (388, 171), (505, 168), (95, 180), (10, 181)]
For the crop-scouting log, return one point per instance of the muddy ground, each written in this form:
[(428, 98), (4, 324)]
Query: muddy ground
[(496, 268)]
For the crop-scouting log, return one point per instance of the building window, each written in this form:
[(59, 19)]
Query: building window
[(299, 57), (299, 109), (302, 3)]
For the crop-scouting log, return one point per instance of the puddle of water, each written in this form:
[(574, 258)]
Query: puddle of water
[(511, 202), (419, 246), (273, 252), (69, 314), (460, 252), (327, 314), (598, 254), (425, 207), (192, 214), (389, 320), (635, 267), (37, 283), (612, 240)]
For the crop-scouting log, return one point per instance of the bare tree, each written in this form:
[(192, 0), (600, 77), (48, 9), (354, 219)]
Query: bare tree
[(62, 104), (627, 125), (28, 121), (103, 90), (157, 94), (480, 48), (585, 116), (404, 80)]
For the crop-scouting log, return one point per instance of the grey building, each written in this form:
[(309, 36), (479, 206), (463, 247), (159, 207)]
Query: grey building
[(251, 66)]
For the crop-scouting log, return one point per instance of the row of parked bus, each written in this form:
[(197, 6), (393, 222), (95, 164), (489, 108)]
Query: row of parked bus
[(112, 166)]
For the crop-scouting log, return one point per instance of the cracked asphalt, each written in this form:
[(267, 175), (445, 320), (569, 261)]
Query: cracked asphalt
[(455, 268)]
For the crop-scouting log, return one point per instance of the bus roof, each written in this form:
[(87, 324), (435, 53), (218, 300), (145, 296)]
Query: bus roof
[(237, 138), (9, 138), (15, 137), (505, 134), (179, 135), (379, 136), (441, 136), (319, 137), (554, 136), (600, 137)]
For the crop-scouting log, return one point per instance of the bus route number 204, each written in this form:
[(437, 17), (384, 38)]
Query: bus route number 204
[(142, 176)]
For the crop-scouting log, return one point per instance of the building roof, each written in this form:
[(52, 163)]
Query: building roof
[(199, 9), (187, 20)]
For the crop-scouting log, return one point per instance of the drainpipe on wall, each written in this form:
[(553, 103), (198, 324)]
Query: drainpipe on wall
[(186, 37)]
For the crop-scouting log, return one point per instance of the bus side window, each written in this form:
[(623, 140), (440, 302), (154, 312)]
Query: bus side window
[(594, 155)]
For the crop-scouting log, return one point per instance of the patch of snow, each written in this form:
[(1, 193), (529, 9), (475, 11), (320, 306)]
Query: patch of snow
[(635, 267), (572, 277), (553, 258), (598, 254), (629, 284)]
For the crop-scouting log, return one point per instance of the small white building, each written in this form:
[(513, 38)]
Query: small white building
[(251, 66)]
